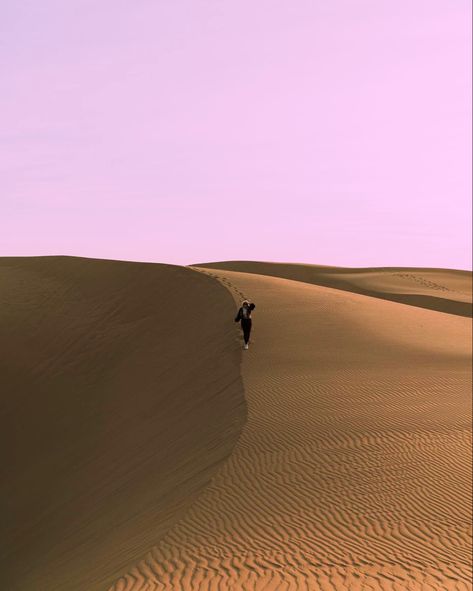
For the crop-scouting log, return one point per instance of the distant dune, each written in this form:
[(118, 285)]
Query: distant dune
[(133, 464), (120, 397), (353, 470), (446, 290)]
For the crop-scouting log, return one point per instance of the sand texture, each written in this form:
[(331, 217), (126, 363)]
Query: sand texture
[(144, 450), (121, 395), (353, 470), (446, 290)]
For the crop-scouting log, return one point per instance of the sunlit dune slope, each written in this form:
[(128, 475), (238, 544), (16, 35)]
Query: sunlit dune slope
[(120, 397), (353, 470), (446, 290)]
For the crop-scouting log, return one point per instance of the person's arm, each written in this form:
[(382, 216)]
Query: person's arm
[(252, 306), (238, 316)]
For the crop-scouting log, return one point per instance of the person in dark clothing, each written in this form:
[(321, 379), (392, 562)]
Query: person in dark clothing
[(244, 314)]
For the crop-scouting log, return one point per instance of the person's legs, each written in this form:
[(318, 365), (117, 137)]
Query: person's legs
[(246, 326)]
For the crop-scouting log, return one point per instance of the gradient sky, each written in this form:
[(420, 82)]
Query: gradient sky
[(320, 131)]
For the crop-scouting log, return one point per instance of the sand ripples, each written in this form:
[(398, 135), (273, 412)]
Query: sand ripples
[(353, 470)]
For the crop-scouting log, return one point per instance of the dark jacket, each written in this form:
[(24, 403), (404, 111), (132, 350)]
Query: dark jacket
[(239, 316)]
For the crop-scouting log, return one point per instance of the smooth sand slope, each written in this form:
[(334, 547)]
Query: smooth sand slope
[(120, 397), (446, 290), (353, 470)]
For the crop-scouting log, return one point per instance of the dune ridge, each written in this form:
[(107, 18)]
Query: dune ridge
[(121, 396), (445, 290), (353, 470)]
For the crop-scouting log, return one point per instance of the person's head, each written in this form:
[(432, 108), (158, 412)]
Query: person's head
[(245, 303)]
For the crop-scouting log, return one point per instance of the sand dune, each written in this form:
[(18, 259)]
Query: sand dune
[(128, 465), (121, 395), (353, 470), (446, 290)]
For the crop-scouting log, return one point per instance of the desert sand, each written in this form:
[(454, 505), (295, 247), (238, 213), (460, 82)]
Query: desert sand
[(349, 468), (446, 290), (353, 470), (120, 396)]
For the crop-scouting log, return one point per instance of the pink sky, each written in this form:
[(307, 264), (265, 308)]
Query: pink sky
[(320, 131)]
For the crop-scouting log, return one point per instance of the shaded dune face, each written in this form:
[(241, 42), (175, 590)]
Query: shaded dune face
[(353, 470), (120, 397), (445, 290)]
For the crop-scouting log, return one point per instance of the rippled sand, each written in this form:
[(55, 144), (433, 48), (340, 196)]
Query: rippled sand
[(353, 470), (131, 462)]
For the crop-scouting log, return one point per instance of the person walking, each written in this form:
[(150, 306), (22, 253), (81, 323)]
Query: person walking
[(244, 314)]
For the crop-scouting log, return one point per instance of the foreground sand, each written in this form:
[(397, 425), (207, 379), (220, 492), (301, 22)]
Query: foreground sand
[(353, 470), (120, 396)]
